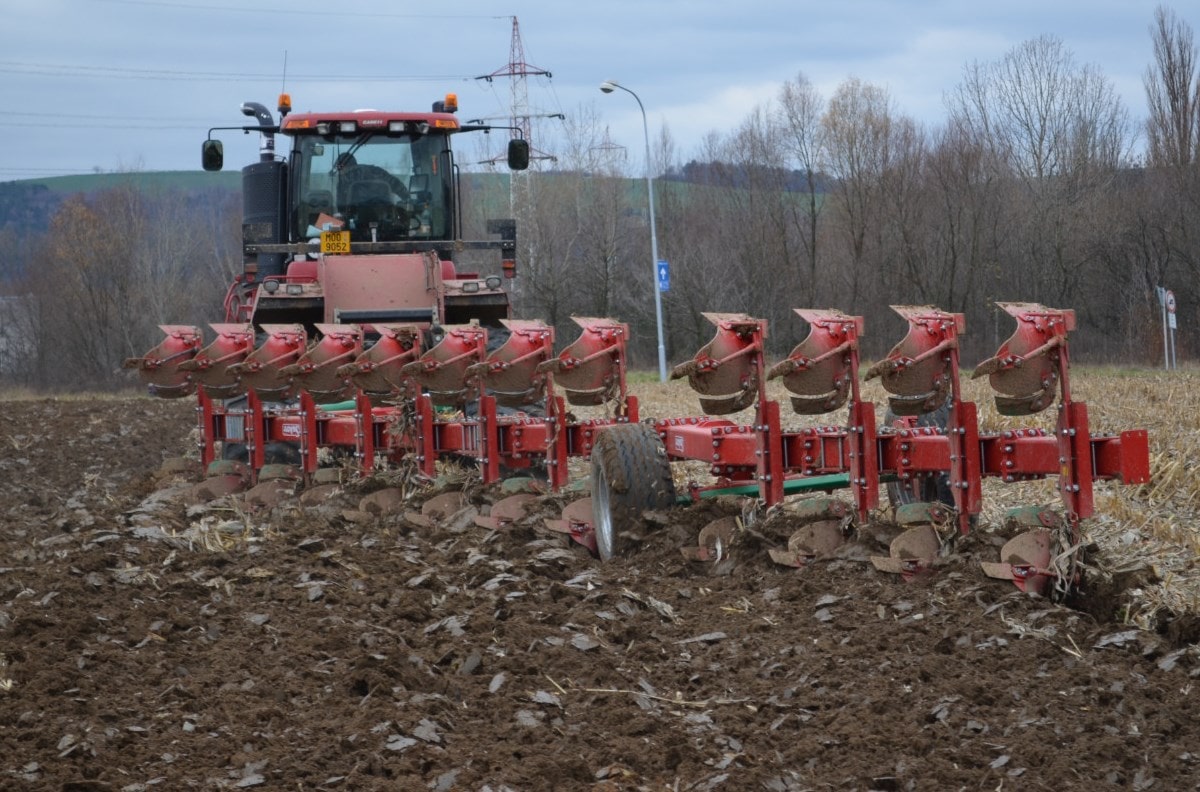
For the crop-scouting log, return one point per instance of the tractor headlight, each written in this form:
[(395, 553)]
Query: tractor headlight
[(493, 281), (294, 289), (271, 286), (470, 287)]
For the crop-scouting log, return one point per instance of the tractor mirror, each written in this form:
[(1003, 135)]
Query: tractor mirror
[(518, 154), (212, 155)]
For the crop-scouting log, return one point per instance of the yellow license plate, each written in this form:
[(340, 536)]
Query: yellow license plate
[(335, 241)]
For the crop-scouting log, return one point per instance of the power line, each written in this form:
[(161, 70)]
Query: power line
[(91, 117), (115, 125), (121, 73), (290, 11)]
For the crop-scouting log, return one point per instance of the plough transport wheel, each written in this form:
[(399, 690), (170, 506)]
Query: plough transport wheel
[(630, 475)]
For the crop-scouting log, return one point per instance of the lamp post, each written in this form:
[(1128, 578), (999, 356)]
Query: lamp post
[(608, 86)]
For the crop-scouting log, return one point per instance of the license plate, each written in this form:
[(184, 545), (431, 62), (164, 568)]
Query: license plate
[(335, 241)]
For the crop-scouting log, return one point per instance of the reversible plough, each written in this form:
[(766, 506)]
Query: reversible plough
[(507, 412)]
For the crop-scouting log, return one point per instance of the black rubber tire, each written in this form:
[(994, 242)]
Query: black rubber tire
[(930, 489), (273, 453), (630, 475)]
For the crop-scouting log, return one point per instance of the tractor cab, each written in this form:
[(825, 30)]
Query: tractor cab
[(376, 176), (378, 188), (382, 177)]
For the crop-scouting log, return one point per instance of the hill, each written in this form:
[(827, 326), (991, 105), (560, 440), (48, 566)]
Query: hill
[(28, 204)]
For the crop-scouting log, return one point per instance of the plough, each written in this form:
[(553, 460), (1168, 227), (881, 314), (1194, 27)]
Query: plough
[(506, 411)]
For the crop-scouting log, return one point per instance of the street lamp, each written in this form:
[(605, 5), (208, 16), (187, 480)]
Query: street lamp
[(608, 86)]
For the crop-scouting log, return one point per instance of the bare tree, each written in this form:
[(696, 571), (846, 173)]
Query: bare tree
[(113, 266), (757, 245), (1162, 241), (799, 118), (180, 269), (1060, 133), (1046, 116), (702, 233), (857, 129), (966, 219), (904, 228), (585, 236), (1172, 93), (18, 338), (85, 291)]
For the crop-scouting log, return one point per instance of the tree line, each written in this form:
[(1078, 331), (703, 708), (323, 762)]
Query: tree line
[(1037, 187), (110, 268)]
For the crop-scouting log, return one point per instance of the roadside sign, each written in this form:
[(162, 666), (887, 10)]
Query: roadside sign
[(664, 276), (1166, 299)]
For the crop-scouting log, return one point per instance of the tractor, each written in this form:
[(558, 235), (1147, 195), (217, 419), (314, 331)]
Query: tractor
[(352, 236)]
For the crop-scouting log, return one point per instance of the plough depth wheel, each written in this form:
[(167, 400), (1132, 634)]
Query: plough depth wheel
[(630, 474)]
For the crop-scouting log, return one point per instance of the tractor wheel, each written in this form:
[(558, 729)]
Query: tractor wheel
[(930, 489), (630, 475)]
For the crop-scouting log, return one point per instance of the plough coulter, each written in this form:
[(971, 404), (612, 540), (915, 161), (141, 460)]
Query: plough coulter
[(354, 331)]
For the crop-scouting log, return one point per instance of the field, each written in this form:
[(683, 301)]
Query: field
[(149, 644)]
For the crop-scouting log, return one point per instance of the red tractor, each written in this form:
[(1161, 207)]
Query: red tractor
[(361, 222), (353, 235)]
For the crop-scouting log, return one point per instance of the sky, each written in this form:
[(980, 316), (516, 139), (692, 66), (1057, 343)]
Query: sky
[(134, 85)]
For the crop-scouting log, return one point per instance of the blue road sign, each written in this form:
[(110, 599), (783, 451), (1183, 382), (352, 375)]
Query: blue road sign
[(664, 276)]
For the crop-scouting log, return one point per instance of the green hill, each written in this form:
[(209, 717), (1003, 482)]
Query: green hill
[(91, 182)]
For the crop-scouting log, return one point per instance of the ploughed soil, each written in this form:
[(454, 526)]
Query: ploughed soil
[(149, 644)]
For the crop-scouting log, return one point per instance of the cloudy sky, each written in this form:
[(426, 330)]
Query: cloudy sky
[(123, 85)]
